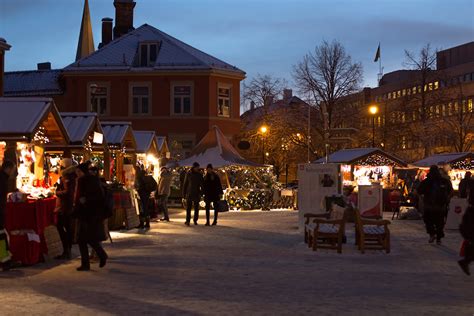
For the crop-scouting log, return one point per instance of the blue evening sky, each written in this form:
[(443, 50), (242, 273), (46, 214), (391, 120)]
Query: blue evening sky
[(258, 36)]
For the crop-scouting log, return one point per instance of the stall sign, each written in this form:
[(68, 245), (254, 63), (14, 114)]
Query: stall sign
[(370, 200), (98, 138), (316, 181), (457, 207)]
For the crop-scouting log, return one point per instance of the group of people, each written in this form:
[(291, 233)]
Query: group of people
[(437, 191), (81, 211)]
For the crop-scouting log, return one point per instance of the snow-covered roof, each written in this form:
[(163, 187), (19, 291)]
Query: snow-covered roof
[(352, 156), (214, 148), (119, 133), (160, 142), (32, 83), (80, 125), (447, 158), (144, 140), (122, 54), (22, 118)]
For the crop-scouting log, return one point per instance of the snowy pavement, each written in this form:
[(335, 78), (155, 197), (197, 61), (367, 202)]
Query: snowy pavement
[(254, 263)]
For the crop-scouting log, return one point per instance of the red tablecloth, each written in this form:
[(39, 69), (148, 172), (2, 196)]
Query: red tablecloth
[(122, 199), (33, 215)]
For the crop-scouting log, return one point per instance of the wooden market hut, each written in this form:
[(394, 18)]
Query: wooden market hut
[(147, 150), (34, 121), (122, 145), (163, 149)]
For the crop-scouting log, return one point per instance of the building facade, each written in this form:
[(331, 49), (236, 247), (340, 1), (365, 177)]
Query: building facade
[(145, 76), (419, 112)]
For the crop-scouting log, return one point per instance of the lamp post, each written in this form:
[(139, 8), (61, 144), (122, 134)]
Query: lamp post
[(263, 131), (373, 110)]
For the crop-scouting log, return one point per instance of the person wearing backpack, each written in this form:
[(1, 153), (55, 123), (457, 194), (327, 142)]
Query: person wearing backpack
[(436, 191)]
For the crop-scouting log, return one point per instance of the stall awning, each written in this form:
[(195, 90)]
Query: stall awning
[(24, 119), (119, 135), (146, 142), (162, 144), (363, 156), (448, 158), (216, 149)]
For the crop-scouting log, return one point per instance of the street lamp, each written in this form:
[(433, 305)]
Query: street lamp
[(373, 110), (263, 131)]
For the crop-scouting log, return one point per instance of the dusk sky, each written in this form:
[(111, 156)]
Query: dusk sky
[(258, 36)]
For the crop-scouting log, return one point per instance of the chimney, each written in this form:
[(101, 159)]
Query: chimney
[(123, 17), (268, 100), (287, 95), (3, 47), (106, 31), (44, 66)]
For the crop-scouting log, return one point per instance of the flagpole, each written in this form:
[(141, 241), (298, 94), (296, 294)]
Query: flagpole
[(380, 65)]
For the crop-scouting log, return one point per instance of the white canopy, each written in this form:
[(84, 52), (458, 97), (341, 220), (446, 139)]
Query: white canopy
[(215, 149)]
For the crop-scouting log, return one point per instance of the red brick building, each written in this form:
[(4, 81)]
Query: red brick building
[(145, 76)]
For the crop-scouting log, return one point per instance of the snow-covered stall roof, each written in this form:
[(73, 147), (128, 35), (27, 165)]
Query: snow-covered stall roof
[(23, 118), (146, 142), (80, 126), (119, 134), (162, 144), (172, 54), (447, 158), (214, 148), (357, 155)]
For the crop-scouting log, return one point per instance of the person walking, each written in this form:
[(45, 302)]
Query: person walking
[(464, 185), (163, 192), (144, 186), (212, 192), (436, 191), (467, 232), (65, 195), (192, 190), (89, 209), (7, 170)]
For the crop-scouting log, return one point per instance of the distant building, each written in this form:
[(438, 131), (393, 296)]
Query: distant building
[(402, 125), (141, 75)]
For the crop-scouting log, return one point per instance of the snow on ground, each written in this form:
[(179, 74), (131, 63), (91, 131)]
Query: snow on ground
[(253, 263)]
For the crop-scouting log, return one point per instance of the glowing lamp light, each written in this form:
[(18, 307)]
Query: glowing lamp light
[(373, 109), (264, 129), (98, 138)]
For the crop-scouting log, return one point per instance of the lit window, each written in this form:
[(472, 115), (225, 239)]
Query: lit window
[(389, 95), (404, 142), (403, 117), (409, 91), (456, 107), (414, 90), (404, 92), (444, 109), (98, 96), (182, 99), (450, 109), (437, 109), (224, 101), (419, 89), (430, 86), (436, 85), (394, 95), (148, 54), (141, 100), (469, 105), (399, 93)]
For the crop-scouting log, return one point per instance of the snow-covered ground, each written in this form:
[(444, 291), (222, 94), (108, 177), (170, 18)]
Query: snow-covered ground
[(253, 263)]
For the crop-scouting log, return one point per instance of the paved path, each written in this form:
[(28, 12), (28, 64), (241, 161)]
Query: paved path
[(253, 263)]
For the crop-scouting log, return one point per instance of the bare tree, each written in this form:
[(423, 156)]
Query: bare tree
[(327, 75), (262, 88)]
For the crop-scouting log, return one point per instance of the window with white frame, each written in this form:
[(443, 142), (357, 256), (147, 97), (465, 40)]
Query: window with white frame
[(224, 101), (182, 95), (140, 99), (148, 53), (99, 98)]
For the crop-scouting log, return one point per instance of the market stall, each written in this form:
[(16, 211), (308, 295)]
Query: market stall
[(370, 171), (456, 164), (29, 124), (147, 152), (86, 142), (163, 149), (122, 146), (249, 185)]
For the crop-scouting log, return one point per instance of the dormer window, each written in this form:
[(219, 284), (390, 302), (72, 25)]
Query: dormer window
[(148, 54)]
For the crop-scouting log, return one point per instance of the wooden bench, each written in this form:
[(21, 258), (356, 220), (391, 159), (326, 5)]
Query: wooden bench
[(371, 233), (322, 232)]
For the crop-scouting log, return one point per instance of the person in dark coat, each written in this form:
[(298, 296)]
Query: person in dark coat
[(65, 194), (464, 185), (192, 191), (89, 209), (144, 193), (212, 192), (467, 231), (436, 191), (8, 168)]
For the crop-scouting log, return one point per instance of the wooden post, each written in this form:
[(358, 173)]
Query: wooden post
[(107, 165), (12, 155)]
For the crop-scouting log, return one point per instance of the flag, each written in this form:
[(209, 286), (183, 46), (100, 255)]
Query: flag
[(377, 54)]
